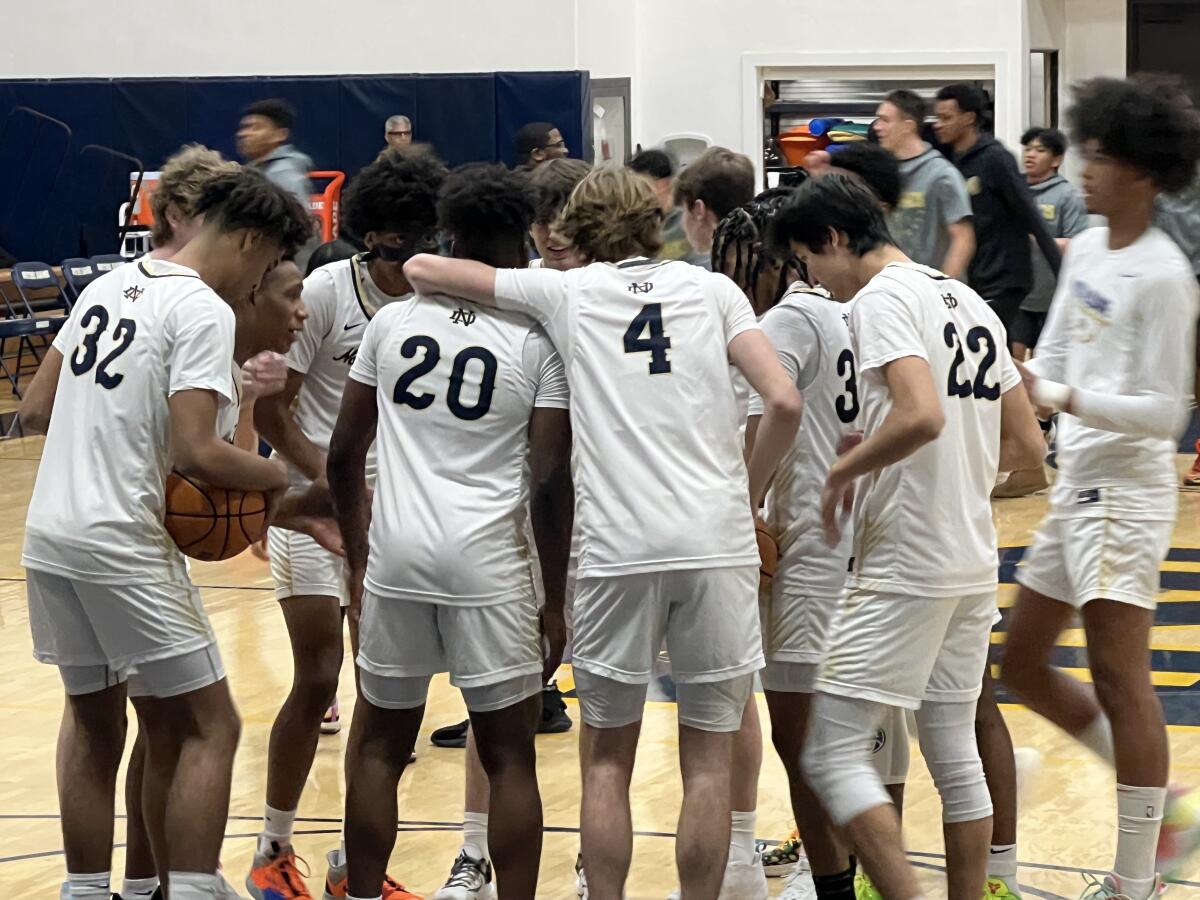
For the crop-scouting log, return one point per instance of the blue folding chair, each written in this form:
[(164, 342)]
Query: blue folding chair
[(106, 262), (40, 310), (78, 273)]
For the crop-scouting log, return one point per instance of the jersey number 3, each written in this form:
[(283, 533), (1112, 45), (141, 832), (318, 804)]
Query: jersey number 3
[(649, 319), (94, 323), (433, 352)]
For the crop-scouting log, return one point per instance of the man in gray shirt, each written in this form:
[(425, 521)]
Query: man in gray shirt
[(932, 224), (1065, 214)]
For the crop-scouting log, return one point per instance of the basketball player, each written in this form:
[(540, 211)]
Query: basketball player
[(465, 398), (1117, 359), (923, 584), (647, 347), (150, 379), (393, 205), (552, 183)]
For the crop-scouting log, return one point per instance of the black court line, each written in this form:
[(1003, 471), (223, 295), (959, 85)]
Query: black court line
[(209, 587), (405, 826)]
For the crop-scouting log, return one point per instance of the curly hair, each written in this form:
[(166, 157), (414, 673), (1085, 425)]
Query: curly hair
[(1147, 122), (878, 169), (180, 182), (552, 183), (245, 198), (742, 234), (482, 203), (396, 193), (612, 215)]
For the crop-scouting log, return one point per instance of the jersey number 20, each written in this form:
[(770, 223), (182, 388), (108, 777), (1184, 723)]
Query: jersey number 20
[(84, 357), (433, 352)]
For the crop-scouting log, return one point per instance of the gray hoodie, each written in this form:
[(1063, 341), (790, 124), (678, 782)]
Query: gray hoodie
[(1065, 214), (289, 168), (933, 196)]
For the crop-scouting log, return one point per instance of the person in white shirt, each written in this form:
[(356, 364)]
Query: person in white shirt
[(392, 203), (149, 385), (473, 435), (646, 346), (941, 405), (1116, 359)]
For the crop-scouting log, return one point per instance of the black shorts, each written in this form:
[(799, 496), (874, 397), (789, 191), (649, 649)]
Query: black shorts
[(1005, 304), (1026, 328)]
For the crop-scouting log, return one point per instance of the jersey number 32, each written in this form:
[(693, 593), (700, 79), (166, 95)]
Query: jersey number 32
[(93, 324)]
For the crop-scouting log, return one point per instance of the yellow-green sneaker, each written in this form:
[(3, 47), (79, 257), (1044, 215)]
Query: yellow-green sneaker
[(781, 859), (1000, 889), (864, 889)]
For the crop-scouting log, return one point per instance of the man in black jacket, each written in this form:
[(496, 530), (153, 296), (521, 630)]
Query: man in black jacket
[(1002, 269)]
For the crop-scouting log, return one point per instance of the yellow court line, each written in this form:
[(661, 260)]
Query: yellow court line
[(1179, 565)]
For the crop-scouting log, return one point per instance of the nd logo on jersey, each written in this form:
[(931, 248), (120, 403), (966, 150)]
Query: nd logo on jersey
[(463, 317)]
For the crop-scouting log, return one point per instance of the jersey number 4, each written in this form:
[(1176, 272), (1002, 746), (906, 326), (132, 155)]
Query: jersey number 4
[(657, 344), (977, 338), (432, 353), (94, 323)]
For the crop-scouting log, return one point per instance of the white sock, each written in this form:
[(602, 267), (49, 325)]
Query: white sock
[(1002, 863), (133, 888), (195, 885), (92, 886), (341, 852), (741, 837), (1139, 816), (278, 825), (475, 828), (1098, 738)]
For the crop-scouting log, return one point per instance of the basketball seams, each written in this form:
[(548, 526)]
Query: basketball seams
[(217, 508)]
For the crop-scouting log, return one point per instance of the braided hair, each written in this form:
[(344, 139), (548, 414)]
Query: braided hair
[(741, 239)]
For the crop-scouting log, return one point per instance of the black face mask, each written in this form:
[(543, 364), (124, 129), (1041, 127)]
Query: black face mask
[(389, 253)]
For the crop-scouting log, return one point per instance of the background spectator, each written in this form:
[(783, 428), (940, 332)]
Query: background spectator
[(538, 142), (658, 167), (398, 132)]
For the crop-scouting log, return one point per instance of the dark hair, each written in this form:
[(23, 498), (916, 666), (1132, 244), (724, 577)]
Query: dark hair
[(969, 98), (484, 204), (911, 105), (398, 192), (329, 252), (1147, 122), (874, 165), (840, 202), (274, 109), (245, 198), (658, 164), (552, 183), (724, 180), (531, 137), (744, 234), (1031, 135), (1050, 138)]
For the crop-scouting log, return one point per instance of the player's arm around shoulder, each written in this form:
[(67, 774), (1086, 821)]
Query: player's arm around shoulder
[(466, 278)]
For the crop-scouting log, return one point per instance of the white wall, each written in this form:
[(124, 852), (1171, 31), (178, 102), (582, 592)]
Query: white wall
[(288, 37), (1095, 31)]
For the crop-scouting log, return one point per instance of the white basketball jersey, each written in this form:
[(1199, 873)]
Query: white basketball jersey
[(456, 386), (924, 524), (811, 335), (339, 298), (660, 481), (137, 336)]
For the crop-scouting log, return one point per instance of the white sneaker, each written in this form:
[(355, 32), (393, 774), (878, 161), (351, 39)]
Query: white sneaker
[(470, 879), (1028, 763), (581, 889), (799, 885), (742, 881), (331, 722)]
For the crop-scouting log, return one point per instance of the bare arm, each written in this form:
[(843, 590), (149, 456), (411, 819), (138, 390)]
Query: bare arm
[(552, 512), (755, 358), (200, 453), (961, 250), (347, 468), (1022, 445), (38, 402), (277, 425), (465, 278), (245, 437)]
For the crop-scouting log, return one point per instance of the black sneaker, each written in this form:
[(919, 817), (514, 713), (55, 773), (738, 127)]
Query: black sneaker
[(554, 711), (453, 736), (157, 895)]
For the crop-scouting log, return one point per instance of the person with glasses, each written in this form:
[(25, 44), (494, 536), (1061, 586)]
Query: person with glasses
[(393, 205), (538, 142), (398, 132)]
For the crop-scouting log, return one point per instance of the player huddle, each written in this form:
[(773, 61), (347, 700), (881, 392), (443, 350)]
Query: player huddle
[(466, 410)]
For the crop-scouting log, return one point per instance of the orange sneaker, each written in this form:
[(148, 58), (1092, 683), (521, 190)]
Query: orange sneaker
[(277, 877), (336, 883), (1191, 479)]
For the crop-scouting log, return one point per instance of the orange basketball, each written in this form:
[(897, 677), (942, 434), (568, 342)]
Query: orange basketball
[(211, 523), (768, 554)]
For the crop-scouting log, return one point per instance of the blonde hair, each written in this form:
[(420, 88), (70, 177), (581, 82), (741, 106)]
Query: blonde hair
[(612, 215), (180, 184)]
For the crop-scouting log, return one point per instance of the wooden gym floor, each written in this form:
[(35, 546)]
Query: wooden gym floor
[(1067, 818)]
